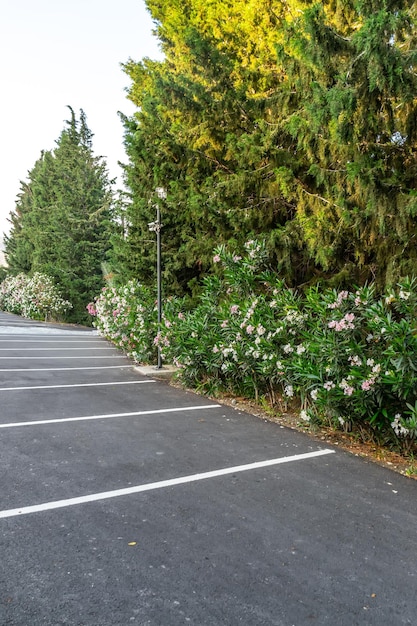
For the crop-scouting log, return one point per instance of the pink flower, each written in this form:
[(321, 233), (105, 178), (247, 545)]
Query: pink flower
[(224, 324), (347, 389), (341, 296), (234, 309), (216, 258), (344, 324), (181, 316), (250, 329), (367, 384)]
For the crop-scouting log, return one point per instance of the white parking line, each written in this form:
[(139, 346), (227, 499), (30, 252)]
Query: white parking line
[(71, 341), (105, 495), (67, 341), (10, 331), (26, 358), (65, 369), (50, 349), (106, 416), (128, 382)]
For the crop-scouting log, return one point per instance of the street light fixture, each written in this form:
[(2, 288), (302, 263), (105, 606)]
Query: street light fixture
[(156, 228)]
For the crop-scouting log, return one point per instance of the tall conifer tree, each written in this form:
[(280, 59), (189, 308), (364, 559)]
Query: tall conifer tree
[(293, 120), (62, 221)]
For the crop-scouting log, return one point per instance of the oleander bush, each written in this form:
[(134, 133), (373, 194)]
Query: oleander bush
[(344, 358), (348, 358), (35, 297), (127, 316)]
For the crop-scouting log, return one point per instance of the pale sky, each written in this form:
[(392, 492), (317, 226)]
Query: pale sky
[(55, 53)]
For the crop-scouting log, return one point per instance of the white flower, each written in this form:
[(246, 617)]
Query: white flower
[(347, 389), (289, 391), (404, 295), (305, 416), (288, 348), (301, 349), (398, 428), (314, 394)]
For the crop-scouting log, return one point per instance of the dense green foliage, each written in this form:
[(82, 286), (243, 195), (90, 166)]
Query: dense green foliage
[(61, 223), (295, 120), (345, 358), (348, 357)]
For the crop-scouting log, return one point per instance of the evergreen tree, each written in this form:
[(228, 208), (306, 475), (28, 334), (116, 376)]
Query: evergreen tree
[(294, 120), (62, 225), (197, 133), (349, 103)]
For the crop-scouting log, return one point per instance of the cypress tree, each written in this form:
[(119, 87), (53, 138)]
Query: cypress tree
[(349, 103), (292, 120), (62, 221)]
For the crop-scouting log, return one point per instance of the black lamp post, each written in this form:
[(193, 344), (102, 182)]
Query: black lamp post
[(156, 227)]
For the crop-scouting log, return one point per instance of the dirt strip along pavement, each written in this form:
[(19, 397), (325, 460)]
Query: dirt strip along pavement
[(125, 500)]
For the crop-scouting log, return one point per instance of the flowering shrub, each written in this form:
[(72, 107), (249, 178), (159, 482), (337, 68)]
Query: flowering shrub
[(346, 357), (127, 316), (349, 357), (12, 291), (35, 297)]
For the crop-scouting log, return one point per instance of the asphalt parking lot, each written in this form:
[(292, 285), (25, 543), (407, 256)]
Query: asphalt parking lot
[(127, 501)]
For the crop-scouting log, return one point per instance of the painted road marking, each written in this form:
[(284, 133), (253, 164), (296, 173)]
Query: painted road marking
[(106, 416), (71, 341), (10, 331), (129, 382), (59, 348), (105, 495), (26, 358), (65, 369)]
